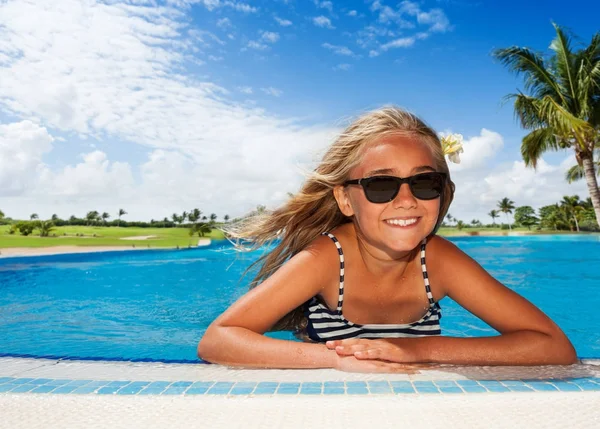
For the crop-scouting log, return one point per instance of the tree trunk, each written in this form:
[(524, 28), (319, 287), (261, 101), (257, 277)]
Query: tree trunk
[(592, 183), (507, 220), (576, 223)]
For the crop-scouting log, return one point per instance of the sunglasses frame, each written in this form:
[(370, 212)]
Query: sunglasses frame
[(364, 182)]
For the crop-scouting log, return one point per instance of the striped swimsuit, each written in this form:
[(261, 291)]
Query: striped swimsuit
[(325, 324)]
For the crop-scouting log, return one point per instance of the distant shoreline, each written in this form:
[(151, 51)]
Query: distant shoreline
[(10, 252)]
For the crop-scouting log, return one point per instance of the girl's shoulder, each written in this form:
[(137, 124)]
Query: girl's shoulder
[(442, 257)]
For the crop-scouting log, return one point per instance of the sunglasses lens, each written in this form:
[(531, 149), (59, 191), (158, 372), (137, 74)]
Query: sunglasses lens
[(381, 190), (427, 186)]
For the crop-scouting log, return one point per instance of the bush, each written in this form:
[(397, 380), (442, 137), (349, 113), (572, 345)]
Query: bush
[(504, 227)]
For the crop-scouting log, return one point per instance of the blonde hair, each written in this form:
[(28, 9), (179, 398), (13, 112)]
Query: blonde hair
[(314, 210)]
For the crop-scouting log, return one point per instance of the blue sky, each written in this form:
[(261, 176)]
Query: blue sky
[(159, 107)]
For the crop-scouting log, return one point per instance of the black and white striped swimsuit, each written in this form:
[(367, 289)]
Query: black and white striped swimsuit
[(325, 324)]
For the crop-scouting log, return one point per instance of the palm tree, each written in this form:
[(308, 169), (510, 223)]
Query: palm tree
[(506, 206), (45, 228), (1, 214), (184, 216), (450, 218), (226, 218), (121, 213), (92, 217), (213, 217), (563, 108), (577, 172), (572, 207), (105, 216), (54, 217), (194, 215), (493, 214), (33, 216)]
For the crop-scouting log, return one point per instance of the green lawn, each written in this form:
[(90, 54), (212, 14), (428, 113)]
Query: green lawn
[(165, 237), (104, 236)]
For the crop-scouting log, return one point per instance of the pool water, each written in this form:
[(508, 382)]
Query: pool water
[(156, 304)]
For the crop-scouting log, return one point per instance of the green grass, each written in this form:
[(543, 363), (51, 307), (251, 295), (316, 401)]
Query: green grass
[(105, 236)]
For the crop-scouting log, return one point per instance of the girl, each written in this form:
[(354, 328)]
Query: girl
[(359, 271)]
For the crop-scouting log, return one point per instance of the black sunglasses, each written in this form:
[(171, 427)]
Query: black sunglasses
[(383, 189)]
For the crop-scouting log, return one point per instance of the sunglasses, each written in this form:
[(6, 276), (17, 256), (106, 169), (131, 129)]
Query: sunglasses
[(383, 189)]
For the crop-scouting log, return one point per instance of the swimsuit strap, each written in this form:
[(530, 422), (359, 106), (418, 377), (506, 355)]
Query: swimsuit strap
[(425, 276), (341, 253)]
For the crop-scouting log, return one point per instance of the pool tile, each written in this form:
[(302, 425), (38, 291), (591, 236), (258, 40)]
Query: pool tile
[(541, 386), (174, 391), (465, 383), (220, 388), (63, 390), (44, 389), (182, 384), (6, 387), (379, 387), (6, 379), (402, 387), (455, 389), (288, 388), (474, 389), (118, 383), (40, 381), (85, 390), (107, 390), (266, 388), (445, 383), (564, 386), (22, 380), (22, 388), (79, 383), (58, 382)]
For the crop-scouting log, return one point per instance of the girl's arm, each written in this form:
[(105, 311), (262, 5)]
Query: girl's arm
[(236, 337), (528, 336)]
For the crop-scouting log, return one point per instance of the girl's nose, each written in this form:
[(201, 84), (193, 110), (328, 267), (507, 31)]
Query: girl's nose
[(405, 199)]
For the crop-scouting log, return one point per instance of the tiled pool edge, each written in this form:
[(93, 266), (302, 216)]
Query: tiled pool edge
[(371, 387)]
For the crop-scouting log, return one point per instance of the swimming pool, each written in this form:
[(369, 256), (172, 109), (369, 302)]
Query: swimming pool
[(156, 304)]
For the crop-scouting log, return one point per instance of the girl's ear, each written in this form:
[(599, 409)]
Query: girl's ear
[(343, 202)]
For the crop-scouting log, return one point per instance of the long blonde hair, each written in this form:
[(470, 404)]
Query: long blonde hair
[(314, 210)]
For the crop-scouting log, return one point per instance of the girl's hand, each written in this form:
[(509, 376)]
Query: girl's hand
[(352, 364), (373, 350)]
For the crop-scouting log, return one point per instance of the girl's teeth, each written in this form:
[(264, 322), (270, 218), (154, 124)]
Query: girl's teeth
[(402, 222)]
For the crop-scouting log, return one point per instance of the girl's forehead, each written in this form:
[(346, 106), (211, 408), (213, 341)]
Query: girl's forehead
[(395, 152)]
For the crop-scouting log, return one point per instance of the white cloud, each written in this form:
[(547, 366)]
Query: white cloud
[(22, 147), (283, 22), (60, 69), (323, 21), (324, 5), (253, 44), (340, 50), (270, 37), (272, 91), (215, 4), (342, 67), (245, 89), (352, 13), (224, 23)]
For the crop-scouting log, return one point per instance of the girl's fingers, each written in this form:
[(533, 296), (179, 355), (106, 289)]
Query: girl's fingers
[(350, 350)]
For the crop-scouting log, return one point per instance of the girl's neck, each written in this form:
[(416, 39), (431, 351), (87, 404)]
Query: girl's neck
[(381, 263)]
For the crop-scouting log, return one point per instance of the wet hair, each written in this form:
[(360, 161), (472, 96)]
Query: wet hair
[(314, 210)]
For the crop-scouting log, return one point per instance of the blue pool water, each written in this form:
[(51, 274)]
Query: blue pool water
[(156, 304)]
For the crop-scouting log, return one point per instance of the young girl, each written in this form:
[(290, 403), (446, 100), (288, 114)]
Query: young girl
[(359, 271)]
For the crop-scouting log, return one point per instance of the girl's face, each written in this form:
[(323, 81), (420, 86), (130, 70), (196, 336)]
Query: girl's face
[(400, 225)]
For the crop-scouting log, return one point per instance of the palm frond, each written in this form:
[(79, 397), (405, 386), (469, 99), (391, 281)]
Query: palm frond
[(536, 143), (588, 77), (574, 173), (562, 121), (565, 67), (538, 79), (527, 111)]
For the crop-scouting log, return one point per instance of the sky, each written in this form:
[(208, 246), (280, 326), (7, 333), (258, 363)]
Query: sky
[(158, 106)]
